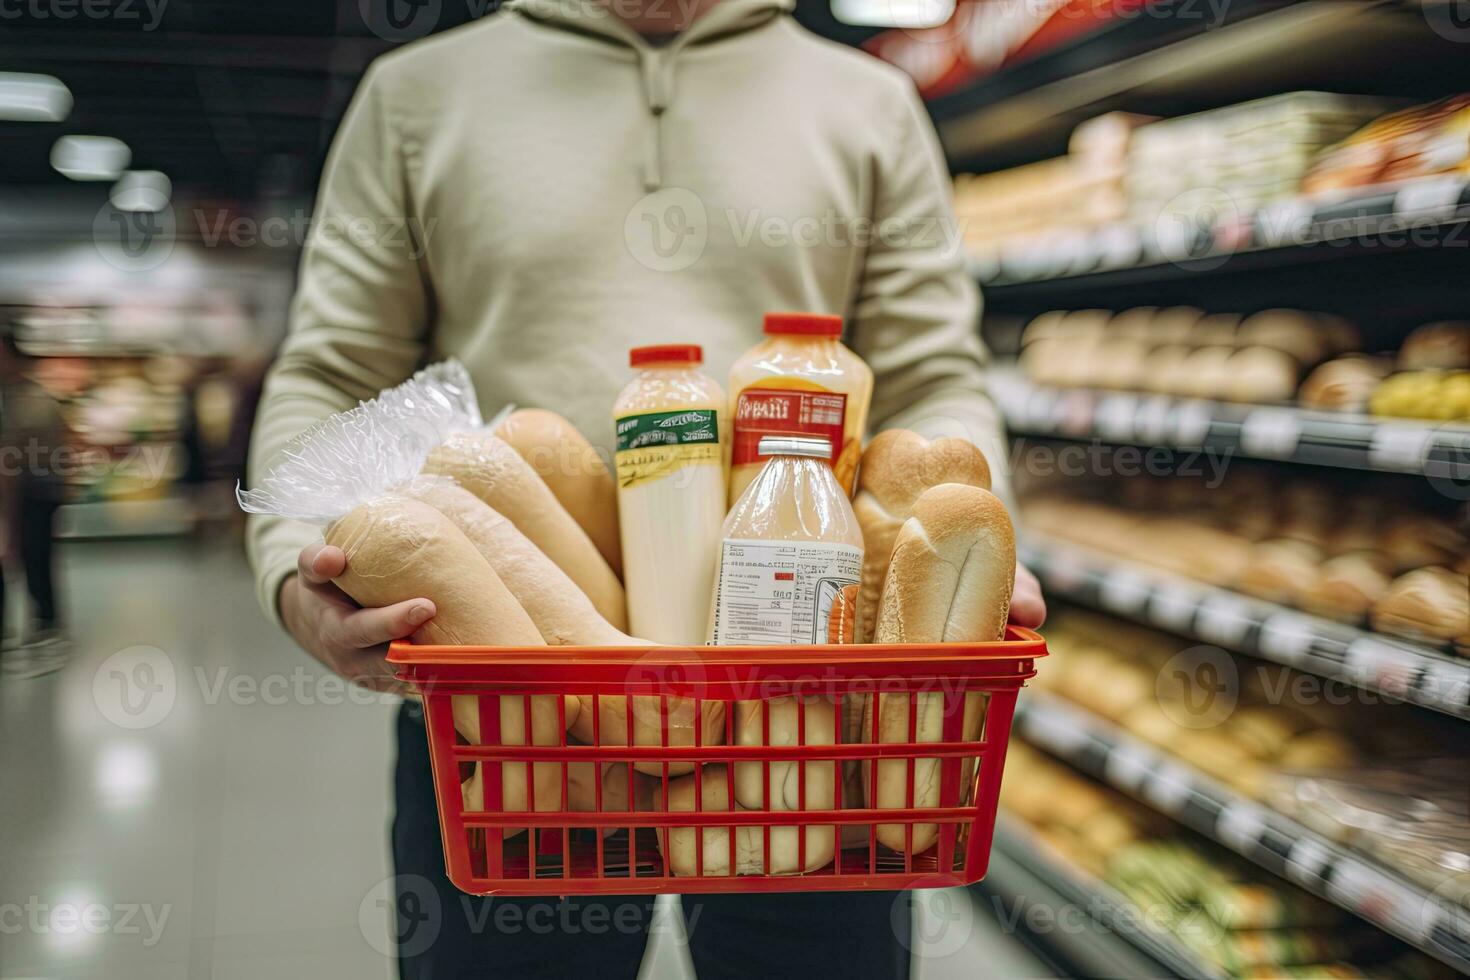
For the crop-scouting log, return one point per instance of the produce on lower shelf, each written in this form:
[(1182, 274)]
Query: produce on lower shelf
[(1229, 914)]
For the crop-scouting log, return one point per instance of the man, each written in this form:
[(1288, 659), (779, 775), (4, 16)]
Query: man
[(31, 429), (538, 192)]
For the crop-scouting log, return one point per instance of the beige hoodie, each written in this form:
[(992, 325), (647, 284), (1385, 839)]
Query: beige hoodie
[(541, 190)]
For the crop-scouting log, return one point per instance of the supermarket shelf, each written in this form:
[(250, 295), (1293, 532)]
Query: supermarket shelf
[(1264, 836), (1437, 451), (1183, 57), (1426, 216), (1397, 670), (1115, 940)]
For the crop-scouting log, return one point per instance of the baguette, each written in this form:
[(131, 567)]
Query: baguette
[(897, 467), (399, 548), (678, 843), (950, 580), (566, 617), (573, 471), (488, 467)]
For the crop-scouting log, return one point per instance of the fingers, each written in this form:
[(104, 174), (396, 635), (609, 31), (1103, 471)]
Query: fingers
[(1028, 606), (319, 563), (364, 628)]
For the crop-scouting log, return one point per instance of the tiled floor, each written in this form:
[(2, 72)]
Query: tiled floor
[(191, 797)]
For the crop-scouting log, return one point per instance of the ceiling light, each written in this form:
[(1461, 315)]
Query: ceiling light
[(141, 190), (33, 98), (90, 157), (909, 14)]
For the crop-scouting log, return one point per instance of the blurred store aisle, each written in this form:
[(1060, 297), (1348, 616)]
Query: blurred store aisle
[(189, 797)]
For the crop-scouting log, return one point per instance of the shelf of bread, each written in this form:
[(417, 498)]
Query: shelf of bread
[(1396, 670), (1188, 903), (1277, 384), (1331, 797)]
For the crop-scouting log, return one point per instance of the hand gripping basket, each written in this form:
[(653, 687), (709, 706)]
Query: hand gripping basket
[(543, 848)]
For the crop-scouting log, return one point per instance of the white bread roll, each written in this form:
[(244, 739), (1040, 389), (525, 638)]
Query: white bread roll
[(783, 791), (678, 843), (897, 467), (399, 548), (950, 580), (489, 468), (573, 471)]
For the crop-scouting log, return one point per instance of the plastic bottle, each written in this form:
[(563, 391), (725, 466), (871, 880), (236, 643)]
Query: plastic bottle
[(799, 381), (789, 545), (671, 453)]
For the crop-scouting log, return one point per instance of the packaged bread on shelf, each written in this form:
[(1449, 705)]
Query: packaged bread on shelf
[(1414, 540), (1260, 375), (1175, 325), (1347, 586), (1437, 346), (1442, 395), (949, 580), (1279, 570), (1343, 384), (1429, 605), (1295, 332)]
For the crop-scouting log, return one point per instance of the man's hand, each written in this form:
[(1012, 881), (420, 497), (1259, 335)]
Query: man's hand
[(1028, 608), (332, 628)]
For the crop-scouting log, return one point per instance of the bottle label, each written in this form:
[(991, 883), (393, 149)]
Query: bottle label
[(780, 592), (658, 444), (786, 412)]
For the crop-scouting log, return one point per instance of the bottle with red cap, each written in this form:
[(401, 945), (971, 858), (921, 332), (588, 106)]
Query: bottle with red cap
[(800, 382), (672, 438)]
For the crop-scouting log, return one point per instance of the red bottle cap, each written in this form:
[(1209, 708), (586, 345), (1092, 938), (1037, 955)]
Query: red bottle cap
[(689, 353), (805, 324)]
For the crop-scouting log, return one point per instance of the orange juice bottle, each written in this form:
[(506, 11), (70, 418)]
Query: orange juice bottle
[(800, 381)]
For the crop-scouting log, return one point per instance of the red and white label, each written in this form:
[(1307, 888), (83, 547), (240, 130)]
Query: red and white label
[(786, 412)]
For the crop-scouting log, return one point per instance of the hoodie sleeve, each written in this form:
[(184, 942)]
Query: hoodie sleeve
[(359, 318), (917, 311)]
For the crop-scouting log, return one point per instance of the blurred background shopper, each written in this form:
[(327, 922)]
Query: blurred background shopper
[(33, 438), (542, 190)]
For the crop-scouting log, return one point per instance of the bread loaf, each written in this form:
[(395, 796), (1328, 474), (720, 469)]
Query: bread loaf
[(782, 788), (1430, 605), (572, 470), (399, 548), (678, 843), (488, 467), (950, 580), (1343, 384), (897, 467)]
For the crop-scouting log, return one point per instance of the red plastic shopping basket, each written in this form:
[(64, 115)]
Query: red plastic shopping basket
[(511, 843)]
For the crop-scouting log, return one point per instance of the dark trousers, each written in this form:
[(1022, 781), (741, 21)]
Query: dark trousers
[(443, 933), (37, 522)]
